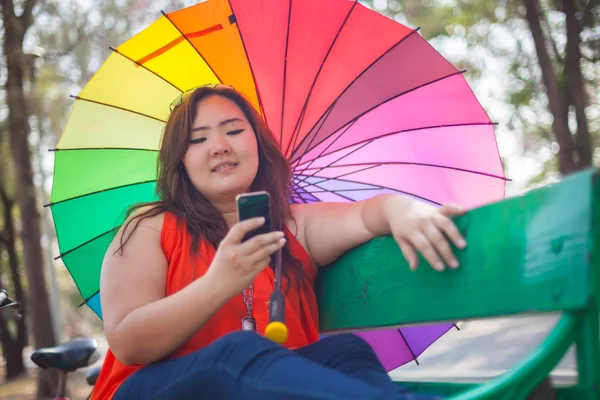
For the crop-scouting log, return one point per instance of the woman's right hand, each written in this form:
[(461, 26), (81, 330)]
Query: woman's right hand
[(237, 263)]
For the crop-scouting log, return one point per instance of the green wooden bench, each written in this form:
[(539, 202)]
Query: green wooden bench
[(536, 253)]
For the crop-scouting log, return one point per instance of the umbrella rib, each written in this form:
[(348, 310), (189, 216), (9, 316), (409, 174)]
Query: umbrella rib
[(190, 43), (287, 42), (99, 191), (308, 148), (118, 108), (339, 176), (143, 66), (89, 298), (296, 130), (298, 192), (356, 118), (419, 165), (381, 136), (336, 139), (260, 103), (382, 187), (351, 83), (373, 139), (85, 243), (412, 353), (299, 160), (103, 148), (331, 191), (323, 190), (296, 199), (377, 187)]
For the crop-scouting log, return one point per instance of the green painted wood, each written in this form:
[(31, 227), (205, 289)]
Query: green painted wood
[(448, 389), (445, 389), (588, 357), (530, 254), (573, 393)]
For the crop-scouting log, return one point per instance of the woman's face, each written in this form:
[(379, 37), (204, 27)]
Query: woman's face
[(222, 156)]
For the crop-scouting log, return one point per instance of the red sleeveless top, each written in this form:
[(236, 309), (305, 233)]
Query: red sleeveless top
[(301, 314)]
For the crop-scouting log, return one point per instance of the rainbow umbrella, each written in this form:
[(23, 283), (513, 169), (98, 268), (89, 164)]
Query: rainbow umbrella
[(361, 105)]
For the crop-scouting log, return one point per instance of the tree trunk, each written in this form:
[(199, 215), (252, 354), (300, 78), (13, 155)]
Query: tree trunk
[(576, 85), (575, 150), (12, 347), (11, 351), (15, 28), (556, 103)]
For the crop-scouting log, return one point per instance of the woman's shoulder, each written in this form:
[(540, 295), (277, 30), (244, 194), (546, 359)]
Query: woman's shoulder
[(147, 216), (300, 214), (143, 225), (138, 236), (295, 224)]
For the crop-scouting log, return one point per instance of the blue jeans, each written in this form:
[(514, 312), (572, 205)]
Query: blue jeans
[(247, 366)]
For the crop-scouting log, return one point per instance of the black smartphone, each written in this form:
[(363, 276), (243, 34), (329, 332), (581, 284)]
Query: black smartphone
[(253, 205)]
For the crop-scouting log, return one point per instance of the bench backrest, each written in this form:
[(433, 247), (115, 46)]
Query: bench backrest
[(529, 254)]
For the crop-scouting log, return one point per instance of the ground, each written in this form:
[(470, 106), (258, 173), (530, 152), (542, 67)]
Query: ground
[(24, 388)]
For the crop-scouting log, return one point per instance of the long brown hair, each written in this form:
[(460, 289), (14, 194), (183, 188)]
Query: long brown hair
[(179, 196)]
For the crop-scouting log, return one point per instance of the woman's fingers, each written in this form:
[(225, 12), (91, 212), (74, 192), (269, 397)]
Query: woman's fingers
[(261, 264), (258, 242), (239, 230), (436, 233), (266, 252), (408, 252), (451, 209), (449, 228), (447, 225), (440, 244), (425, 247)]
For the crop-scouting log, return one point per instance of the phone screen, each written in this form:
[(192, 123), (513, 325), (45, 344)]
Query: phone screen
[(252, 205)]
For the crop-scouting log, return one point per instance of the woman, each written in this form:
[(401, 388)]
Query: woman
[(177, 281)]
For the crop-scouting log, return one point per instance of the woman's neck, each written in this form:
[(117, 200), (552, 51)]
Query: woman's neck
[(228, 210), (231, 217), (227, 206)]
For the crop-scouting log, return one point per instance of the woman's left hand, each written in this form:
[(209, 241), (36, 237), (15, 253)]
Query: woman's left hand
[(417, 226)]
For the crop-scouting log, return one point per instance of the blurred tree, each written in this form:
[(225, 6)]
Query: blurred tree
[(16, 26), (13, 334)]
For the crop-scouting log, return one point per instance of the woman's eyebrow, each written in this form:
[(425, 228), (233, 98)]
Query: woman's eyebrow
[(222, 123)]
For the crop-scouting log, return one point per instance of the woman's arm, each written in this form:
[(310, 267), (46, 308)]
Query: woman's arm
[(331, 229), (140, 323)]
